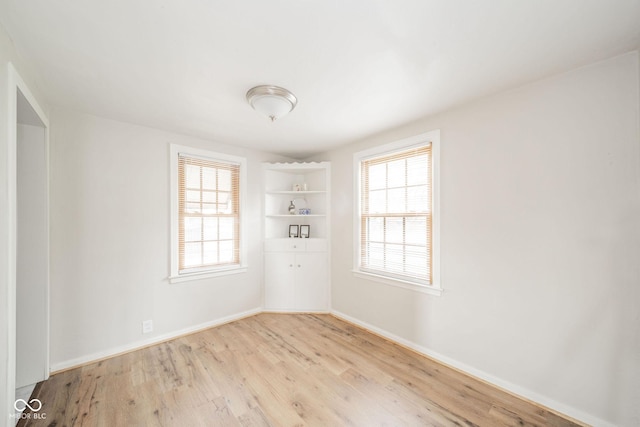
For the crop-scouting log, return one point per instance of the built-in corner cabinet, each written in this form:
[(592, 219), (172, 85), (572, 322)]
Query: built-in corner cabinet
[(296, 203)]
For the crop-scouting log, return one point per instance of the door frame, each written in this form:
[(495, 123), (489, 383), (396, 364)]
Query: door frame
[(15, 83)]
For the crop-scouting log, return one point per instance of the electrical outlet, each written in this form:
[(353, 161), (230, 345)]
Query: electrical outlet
[(147, 326)]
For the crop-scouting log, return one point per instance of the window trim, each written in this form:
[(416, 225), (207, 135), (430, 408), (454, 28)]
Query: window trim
[(432, 137), (175, 276)]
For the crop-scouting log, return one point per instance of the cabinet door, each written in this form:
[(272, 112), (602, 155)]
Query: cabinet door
[(279, 269), (311, 281)]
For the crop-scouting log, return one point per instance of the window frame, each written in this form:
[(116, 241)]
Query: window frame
[(202, 273), (432, 138)]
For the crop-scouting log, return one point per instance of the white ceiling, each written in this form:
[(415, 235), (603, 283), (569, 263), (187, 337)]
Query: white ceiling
[(358, 67)]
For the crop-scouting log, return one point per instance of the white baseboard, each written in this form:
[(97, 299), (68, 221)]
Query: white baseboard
[(101, 355), (500, 383)]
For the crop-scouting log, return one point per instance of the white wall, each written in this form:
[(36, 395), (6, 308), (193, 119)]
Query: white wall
[(110, 241), (540, 243)]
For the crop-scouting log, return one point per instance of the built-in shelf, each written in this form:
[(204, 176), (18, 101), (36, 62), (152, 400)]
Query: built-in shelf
[(296, 269), (280, 183), (296, 192), (296, 216)]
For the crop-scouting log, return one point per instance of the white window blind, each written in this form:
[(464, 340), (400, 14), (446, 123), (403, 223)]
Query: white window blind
[(396, 215), (208, 213)]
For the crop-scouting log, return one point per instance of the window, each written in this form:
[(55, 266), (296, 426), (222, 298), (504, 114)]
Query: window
[(397, 219), (206, 213)]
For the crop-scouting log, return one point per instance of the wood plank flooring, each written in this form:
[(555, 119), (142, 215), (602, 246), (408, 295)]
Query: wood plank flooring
[(278, 370)]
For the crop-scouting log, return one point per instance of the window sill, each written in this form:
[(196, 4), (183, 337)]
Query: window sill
[(187, 277), (425, 289)]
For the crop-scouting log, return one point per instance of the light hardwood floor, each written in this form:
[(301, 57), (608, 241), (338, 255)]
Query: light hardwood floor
[(278, 370)]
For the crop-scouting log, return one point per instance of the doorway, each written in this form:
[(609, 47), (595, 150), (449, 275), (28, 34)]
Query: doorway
[(30, 185), (32, 250)]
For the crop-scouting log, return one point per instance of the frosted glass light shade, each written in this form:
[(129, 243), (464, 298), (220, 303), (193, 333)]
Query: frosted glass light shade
[(272, 101)]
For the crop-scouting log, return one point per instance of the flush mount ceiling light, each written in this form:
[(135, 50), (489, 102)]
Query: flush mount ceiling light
[(272, 101)]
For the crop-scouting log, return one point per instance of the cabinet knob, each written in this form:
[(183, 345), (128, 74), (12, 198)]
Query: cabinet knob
[(298, 265), (290, 265)]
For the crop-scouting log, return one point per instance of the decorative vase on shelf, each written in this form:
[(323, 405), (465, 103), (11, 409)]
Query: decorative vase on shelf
[(292, 208)]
